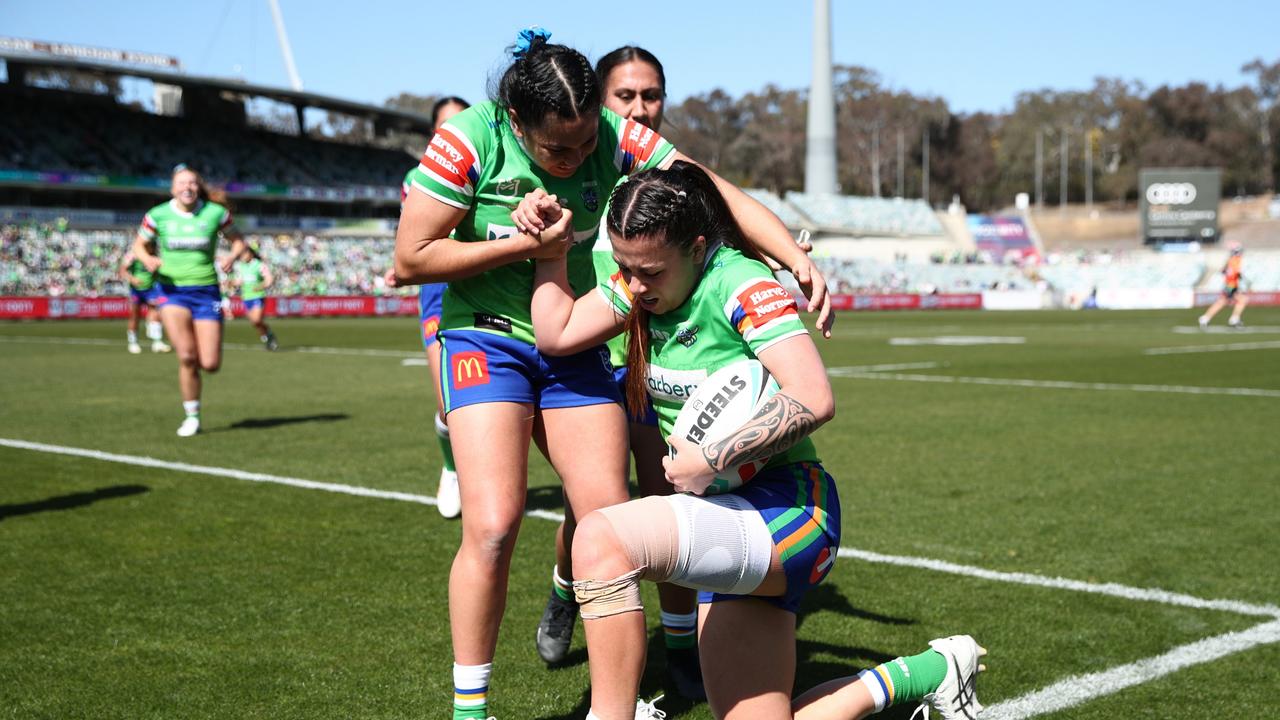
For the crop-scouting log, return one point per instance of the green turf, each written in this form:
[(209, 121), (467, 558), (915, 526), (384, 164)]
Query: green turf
[(147, 593)]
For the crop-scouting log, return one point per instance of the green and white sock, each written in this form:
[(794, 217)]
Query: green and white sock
[(191, 408), (905, 679), (471, 691), (563, 588), (446, 447), (680, 630)]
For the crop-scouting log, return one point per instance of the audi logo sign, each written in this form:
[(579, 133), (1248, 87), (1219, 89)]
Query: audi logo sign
[(1171, 193)]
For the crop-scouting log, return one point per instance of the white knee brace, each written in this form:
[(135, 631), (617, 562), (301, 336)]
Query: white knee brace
[(719, 543)]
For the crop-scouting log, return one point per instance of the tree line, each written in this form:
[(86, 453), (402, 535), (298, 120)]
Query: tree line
[(1111, 130)]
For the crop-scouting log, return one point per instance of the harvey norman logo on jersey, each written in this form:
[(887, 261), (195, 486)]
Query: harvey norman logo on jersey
[(673, 385)]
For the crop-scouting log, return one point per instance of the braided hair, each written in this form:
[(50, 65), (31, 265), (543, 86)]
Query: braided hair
[(678, 205), (545, 80)]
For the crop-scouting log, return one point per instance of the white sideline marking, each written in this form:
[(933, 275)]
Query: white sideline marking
[(1181, 349), (1057, 583), (1226, 330), (32, 339), (219, 472), (1079, 689), (413, 361), (365, 352), (1066, 384), (958, 340), (369, 352), (1113, 589), (1070, 692), (850, 370)]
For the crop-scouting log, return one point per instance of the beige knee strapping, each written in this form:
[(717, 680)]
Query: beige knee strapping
[(650, 534), (602, 598), (650, 537)]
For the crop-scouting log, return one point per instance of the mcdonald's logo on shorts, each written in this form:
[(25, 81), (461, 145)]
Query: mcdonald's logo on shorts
[(469, 369)]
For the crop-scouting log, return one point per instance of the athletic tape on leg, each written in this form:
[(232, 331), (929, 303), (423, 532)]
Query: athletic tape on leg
[(603, 598), (719, 543), (649, 534)]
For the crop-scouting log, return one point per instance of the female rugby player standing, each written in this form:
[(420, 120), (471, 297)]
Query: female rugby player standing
[(430, 308)]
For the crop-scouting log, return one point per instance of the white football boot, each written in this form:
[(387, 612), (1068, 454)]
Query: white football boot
[(957, 697), (448, 499), (190, 426)]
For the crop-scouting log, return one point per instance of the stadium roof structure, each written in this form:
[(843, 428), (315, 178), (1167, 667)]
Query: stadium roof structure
[(384, 117)]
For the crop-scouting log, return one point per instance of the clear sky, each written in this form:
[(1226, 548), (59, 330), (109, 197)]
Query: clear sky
[(977, 55)]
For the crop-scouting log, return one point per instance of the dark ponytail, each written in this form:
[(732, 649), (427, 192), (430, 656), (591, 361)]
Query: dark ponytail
[(441, 104), (678, 204), (548, 80), (624, 55)]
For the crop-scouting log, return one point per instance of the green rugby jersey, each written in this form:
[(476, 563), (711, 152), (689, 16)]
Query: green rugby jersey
[(146, 279), (736, 311), (476, 163), (250, 276), (186, 242)]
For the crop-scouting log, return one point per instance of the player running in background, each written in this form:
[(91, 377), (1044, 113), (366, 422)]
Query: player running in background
[(1231, 293), (430, 309), (143, 295), (184, 232), (692, 300), (252, 278), (546, 131)]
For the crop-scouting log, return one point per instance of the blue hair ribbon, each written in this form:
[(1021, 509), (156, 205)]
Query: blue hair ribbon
[(525, 40)]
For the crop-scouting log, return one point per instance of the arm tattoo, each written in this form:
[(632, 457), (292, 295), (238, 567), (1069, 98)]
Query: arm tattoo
[(780, 423)]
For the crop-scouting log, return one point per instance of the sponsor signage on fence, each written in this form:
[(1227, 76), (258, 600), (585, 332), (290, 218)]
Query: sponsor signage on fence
[(90, 308), (1179, 205), (999, 235), (966, 301), (1268, 299), (1145, 298)]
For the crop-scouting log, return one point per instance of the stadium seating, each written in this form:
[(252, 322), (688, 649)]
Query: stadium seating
[(49, 133), (40, 260), (785, 212), (867, 215), (44, 260), (1082, 273), (867, 275)]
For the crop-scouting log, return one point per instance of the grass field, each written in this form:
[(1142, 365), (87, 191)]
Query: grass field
[(1095, 503)]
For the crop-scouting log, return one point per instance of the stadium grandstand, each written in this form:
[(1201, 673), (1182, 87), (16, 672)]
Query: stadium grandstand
[(94, 134), (100, 130)]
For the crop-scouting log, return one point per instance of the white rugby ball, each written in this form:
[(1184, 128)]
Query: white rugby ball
[(721, 405)]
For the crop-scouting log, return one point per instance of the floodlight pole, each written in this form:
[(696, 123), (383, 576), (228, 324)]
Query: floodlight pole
[(902, 154), (1088, 170), (1040, 169), (924, 168), (1062, 175), (875, 159), (283, 38), (820, 145)]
